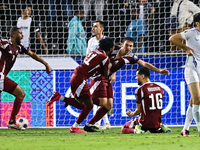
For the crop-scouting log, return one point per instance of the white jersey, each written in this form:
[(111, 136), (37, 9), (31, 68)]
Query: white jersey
[(93, 44), (25, 25), (192, 37)]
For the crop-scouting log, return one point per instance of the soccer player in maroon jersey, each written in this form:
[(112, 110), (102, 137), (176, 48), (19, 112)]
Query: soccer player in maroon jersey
[(97, 64), (103, 93), (149, 105), (9, 50)]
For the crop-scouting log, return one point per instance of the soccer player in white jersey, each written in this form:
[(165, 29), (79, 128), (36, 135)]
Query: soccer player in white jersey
[(26, 24), (192, 70), (93, 43)]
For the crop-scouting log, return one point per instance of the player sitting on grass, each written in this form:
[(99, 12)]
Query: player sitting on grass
[(104, 96), (149, 105)]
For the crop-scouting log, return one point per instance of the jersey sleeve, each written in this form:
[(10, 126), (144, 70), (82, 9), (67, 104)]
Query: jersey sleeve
[(186, 34), (88, 48), (105, 63), (120, 62), (23, 49), (4, 43), (138, 95)]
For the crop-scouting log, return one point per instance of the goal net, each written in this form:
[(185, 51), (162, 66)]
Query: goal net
[(52, 18)]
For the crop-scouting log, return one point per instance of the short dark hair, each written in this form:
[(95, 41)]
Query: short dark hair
[(77, 9), (144, 71), (102, 24), (24, 6), (106, 44), (196, 17), (13, 30), (128, 39)]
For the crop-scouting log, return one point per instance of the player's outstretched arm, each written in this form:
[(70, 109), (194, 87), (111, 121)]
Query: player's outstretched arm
[(152, 67), (38, 58)]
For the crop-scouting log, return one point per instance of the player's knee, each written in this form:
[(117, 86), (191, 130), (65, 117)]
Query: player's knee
[(22, 94)]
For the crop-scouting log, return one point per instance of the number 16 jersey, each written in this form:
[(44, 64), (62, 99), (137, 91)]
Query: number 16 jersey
[(150, 96)]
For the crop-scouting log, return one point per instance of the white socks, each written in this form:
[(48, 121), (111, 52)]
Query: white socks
[(75, 125), (62, 98), (188, 119), (196, 115), (105, 119)]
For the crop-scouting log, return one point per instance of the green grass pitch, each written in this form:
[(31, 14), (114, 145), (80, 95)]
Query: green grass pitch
[(61, 139)]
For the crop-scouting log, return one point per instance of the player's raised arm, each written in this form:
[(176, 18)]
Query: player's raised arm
[(39, 59), (152, 67)]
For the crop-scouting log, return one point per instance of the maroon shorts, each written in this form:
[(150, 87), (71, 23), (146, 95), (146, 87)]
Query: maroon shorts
[(101, 89), (132, 123), (9, 85), (79, 87)]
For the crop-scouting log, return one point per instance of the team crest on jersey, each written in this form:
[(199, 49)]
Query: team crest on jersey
[(197, 38), (116, 62)]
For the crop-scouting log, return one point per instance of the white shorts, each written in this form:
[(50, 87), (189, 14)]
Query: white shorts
[(192, 75)]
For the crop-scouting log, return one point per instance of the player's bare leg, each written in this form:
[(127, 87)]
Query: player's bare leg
[(194, 89), (19, 94)]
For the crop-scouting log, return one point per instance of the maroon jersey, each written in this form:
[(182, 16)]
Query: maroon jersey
[(130, 58), (94, 65), (150, 96), (8, 55)]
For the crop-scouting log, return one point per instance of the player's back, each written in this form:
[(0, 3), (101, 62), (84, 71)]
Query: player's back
[(150, 96), (94, 65)]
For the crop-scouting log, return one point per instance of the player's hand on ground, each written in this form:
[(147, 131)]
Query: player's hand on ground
[(164, 71), (129, 113), (48, 68)]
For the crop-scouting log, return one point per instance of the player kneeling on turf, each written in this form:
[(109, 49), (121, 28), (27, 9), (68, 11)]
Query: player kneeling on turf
[(149, 105)]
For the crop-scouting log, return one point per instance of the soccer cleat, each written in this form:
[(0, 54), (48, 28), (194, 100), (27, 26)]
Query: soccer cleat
[(165, 129), (56, 95), (110, 112), (185, 133), (15, 126), (76, 130), (138, 130), (106, 126), (89, 128), (97, 126)]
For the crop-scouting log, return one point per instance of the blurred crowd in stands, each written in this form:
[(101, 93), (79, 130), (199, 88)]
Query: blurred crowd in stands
[(53, 18)]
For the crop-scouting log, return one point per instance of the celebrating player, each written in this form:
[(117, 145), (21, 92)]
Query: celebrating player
[(192, 70), (103, 93), (9, 50), (96, 64), (93, 43), (149, 105)]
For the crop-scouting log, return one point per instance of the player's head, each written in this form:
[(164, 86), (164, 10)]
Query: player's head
[(98, 28), (79, 12), (26, 11), (135, 11), (127, 45), (196, 19), (142, 75), (106, 44), (16, 35)]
